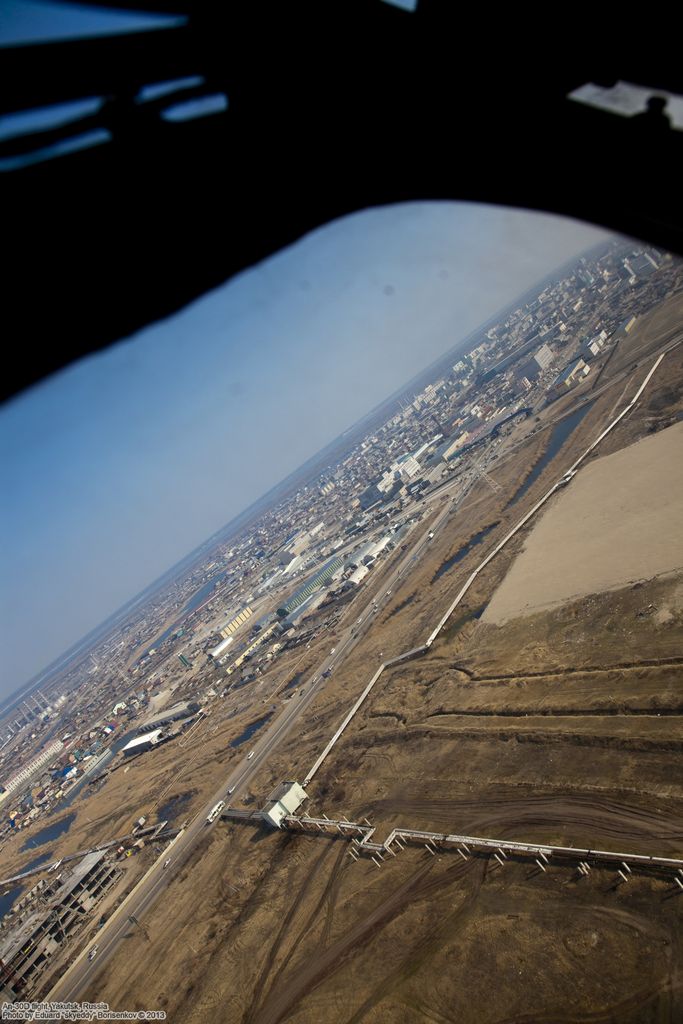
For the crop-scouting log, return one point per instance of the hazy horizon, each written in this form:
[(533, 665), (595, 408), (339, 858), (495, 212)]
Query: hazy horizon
[(120, 465)]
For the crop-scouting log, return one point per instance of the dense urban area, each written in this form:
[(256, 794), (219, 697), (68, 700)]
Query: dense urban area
[(418, 707)]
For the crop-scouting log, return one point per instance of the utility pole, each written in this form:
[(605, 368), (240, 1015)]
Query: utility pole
[(133, 920)]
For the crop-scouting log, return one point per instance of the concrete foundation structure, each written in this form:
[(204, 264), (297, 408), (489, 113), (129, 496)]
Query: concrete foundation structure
[(28, 948)]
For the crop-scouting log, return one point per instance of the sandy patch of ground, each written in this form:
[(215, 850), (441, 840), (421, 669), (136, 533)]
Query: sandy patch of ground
[(618, 521)]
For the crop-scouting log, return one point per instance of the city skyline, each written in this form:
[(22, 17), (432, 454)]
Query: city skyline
[(121, 464)]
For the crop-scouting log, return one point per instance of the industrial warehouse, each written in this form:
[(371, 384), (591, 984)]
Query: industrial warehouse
[(182, 710), (145, 741)]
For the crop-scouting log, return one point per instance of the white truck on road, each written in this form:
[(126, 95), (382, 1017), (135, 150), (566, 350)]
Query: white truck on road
[(215, 811)]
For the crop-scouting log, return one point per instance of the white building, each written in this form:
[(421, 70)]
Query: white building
[(293, 566), (387, 482), (359, 575), (409, 468), (544, 356), (142, 743), (218, 653), (26, 773), (579, 368), (284, 800)]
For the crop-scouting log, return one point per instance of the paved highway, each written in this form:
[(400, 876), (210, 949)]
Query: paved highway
[(84, 971)]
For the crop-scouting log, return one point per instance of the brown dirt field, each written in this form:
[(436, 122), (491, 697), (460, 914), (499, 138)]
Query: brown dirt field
[(638, 625), (651, 330), (310, 936), (660, 406), (618, 522)]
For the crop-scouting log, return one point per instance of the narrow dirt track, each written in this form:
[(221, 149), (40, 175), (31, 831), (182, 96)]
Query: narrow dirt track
[(541, 713), (620, 1012), (331, 886), (550, 674), (315, 970), (283, 932), (508, 813)]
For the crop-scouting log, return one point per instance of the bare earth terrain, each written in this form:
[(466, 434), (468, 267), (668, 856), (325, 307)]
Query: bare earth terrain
[(620, 521)]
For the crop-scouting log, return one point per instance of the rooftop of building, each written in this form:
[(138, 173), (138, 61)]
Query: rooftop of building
[(569, 370), (281, 790), (146, 737), (184, 707)]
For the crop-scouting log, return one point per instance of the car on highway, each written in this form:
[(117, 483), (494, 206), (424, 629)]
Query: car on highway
[(333, 650), (388, 593), (250, 755), (231, 790), (93, 953), (327, 673), (167, 862)]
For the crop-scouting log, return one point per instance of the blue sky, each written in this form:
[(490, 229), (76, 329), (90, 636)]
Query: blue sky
[(118, 466)]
